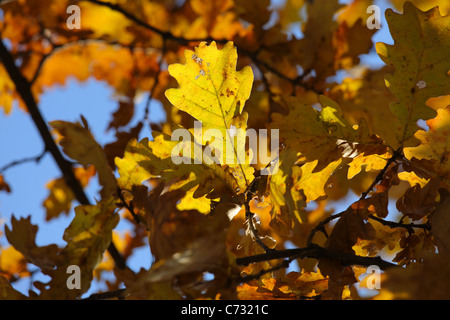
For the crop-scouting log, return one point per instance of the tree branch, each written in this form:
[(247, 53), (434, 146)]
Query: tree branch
[(164, 34), (14, 163), (167, 35), (316, 252), (23, 87)]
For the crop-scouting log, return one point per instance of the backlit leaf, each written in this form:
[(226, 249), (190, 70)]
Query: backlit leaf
[(416, 60)]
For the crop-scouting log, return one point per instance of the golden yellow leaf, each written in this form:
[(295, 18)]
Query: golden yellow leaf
[(12, 263), (367, 163), (7, 88), (88, 236), (211, 90), (153, 159), (312, 183)]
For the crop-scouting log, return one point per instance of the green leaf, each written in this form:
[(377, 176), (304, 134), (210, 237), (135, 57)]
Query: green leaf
[(421, 59)]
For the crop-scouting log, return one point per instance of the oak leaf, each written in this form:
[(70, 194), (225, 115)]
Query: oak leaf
[(79, 144), (22, 236), (415, 58), (433, 152)]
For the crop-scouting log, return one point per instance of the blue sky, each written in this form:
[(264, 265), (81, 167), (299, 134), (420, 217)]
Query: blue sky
[(20, 138)]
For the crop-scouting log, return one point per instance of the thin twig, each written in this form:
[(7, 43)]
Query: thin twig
[(23, 87), (410, 226), (282, 265), (155, 83), (130, 207), (167, 35), (14, 163), (316, 252)]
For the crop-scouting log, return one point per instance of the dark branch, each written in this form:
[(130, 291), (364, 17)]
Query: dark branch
[(164, 34), (167, 35), (316, 252), (23, 87), (397, 153), (410, 226)]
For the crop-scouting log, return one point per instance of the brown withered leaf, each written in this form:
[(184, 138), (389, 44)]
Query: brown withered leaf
[(123, 114), (22, 235), (7, 292), (417, 202), (348, 230), (440, 223), (182, 242), (117, 148), (406, 283)]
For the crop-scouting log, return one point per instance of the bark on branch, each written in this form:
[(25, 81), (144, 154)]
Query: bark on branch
[(316, 252), (23, 87)]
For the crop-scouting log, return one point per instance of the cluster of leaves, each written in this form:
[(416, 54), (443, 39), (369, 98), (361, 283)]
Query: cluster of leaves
[(224, 231)]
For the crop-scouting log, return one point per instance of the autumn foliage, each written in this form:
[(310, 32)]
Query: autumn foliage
[(224, 230)]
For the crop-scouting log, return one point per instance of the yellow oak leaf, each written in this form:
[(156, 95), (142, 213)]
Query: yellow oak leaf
[(105, 22), (366, 97), (285, 197), (88, 236), (290, 13), (367, 163), (214, 93), (12, 263), (211, 90), (313, 183), (412, 178), (421, 69), (315, 134), (357, 10), (153, 159)]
